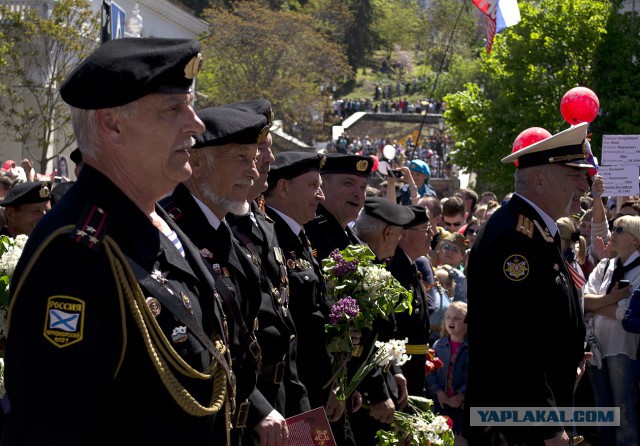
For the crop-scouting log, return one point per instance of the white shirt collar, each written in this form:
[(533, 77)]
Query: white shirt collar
[(294, 225), (213, 220)]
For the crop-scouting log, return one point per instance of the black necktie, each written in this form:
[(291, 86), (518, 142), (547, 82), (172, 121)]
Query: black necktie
[(306, 245)]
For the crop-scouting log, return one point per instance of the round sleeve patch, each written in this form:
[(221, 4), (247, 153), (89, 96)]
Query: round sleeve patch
[(516, 268)]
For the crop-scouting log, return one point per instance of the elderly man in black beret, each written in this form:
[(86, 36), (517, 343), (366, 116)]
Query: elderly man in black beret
[(415, 241), (224, 170), (25, 205), (115, 321), (292, 199), (278, 376), (380, 226)]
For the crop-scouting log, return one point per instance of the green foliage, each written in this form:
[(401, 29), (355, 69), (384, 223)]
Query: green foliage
[(398, 24), (279, 55), (531, 66), (38, 53), (617, 70)]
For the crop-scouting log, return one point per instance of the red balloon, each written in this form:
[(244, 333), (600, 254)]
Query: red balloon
[(375, 163), (528, 137), (579, 105)]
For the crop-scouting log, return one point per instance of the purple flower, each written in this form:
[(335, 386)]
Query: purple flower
[(343, 267), (346, 306)]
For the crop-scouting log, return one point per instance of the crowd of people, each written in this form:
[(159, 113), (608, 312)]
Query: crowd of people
[(175, 293)]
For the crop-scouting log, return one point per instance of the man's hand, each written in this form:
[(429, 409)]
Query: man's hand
[(356, 401), (562, 439), (383, 411), (272, 430), (456, 400), (403, 393), (334, 407), (581, 368)]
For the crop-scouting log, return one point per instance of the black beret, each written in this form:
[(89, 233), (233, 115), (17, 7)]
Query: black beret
[(349, 164), (293, 164), (259, 106), (229, 126), (124, 70), (388, 211), (420, 216), (29, 192), (76, 156)]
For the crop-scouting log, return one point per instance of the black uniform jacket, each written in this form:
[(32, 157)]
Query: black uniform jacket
[(326, 234), (277, 333), (74, 347), (308, 309), (414, 325), (525, 326), (238, 283)]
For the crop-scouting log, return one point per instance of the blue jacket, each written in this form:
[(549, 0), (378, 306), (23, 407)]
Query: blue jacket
[(437, 380)]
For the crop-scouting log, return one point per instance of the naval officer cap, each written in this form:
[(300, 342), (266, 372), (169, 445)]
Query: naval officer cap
[(388, 211), (569, 147), (420, 216), (348, 164), (25, 193), (258, 106), (230, 126), (124, 70), (290, 165)]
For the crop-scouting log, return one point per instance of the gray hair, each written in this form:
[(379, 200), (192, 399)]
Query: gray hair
[(85, 127), (367, 226)]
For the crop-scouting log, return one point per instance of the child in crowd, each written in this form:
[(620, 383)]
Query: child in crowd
[(447, 385)]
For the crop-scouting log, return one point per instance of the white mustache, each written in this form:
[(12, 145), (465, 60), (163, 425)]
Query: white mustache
[(245, 183)]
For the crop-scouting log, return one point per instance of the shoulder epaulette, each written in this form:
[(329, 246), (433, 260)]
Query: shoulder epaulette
[(525, 225), (91, 228)]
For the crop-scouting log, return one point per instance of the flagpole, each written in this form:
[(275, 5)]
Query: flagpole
[(435, 83)]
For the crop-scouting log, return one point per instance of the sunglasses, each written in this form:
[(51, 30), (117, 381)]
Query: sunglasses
[(453, 223), (472, 231), (618, 229), (451, 249)]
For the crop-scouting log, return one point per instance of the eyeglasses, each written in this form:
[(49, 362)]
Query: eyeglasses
[(451, 249), (453, 223), (618, 229), (471, 231)]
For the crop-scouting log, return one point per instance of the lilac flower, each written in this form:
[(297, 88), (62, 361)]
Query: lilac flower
[(344, 307), (343, 267)]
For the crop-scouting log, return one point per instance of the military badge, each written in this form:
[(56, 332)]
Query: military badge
[(291, 264), (186, 302), (44, 191), (154, 306), (193, 66), (179, 335), (516, 268), (159, 276), (204, 252), (362, 165), (64, 320)]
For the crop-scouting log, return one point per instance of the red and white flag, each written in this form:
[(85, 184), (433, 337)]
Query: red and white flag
[(500, 15)]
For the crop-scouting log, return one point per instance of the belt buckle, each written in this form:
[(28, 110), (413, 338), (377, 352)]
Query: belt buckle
[(278, 375), (243, 413)]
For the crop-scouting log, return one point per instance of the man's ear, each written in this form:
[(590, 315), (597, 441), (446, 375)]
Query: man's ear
[(198, 161), (109, 125)]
